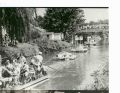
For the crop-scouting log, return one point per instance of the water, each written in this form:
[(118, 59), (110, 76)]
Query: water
[(76, 72)]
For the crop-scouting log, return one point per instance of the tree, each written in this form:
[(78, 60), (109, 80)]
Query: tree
[(16, 22), (63, 20), (40, 21)]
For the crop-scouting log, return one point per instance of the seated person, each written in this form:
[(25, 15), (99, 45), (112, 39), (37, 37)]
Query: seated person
[(24, 72), (7, 70), (16, 71), (6, 73), (37, 62)]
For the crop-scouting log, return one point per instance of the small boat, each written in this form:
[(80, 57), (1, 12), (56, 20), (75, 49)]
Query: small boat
[(80, 48), (92, 42), (65, 55)]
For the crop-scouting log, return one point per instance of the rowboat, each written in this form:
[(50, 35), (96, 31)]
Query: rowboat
[(32, 83), (65, 55)]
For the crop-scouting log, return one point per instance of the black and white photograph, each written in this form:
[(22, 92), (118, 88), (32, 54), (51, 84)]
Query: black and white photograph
[(54, 49)]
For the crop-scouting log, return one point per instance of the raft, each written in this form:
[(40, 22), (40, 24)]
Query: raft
[(30, 85)]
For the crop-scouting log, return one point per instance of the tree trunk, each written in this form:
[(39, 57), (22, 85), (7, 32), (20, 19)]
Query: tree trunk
[(35, 13)]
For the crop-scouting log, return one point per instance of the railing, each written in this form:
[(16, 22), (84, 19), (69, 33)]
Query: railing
[(93, 30)]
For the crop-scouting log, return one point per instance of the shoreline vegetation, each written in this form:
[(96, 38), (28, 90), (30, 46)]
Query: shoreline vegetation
[(98, 79), (31, 49)]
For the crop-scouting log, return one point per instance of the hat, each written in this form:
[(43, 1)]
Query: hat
[(40, 53)]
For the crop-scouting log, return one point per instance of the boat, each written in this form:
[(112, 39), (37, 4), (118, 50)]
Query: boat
[(91, 42), (31, 84), (65, 55), (80, 48)]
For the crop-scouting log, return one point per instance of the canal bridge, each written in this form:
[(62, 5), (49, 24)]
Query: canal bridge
[(84, 33)]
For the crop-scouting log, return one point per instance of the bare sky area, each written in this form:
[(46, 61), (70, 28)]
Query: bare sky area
[(91, 14)]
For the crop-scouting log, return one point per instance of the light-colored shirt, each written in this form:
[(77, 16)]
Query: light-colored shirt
[(22, 60), (39, 58)]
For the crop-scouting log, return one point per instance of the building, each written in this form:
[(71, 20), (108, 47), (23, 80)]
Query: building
[(53, 36)]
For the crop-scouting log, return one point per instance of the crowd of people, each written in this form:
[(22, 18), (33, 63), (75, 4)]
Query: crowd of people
[(19, 71)]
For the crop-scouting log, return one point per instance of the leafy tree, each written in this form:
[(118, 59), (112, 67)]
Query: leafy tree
[(16, 22), (63, 20), (92, 23)]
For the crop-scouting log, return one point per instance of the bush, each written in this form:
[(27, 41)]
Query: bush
[(46, 45), (27, 50), (9, 52)]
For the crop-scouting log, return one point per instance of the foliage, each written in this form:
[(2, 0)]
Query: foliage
[(27, 50), (40, 21), (63, 20), (46, 45), (15, 21), (100, 78)]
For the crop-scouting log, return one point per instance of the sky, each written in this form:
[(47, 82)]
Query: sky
[(91, 14)]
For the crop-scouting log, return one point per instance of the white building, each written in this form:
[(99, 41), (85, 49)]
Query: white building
[(53, 36)]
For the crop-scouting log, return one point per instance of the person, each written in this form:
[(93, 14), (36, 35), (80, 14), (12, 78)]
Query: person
[(16, 72), (15, 42), (40, 65), (22, 59), (7, 69), (1, 78), (39, 58), (34, 63), (37, 64), (32, 72), (7, 72), (24, 72), (9, 66)]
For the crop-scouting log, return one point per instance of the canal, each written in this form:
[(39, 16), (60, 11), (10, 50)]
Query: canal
[(72, 74)]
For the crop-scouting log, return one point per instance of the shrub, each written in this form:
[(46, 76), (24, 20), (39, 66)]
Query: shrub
[(46, 45), (27, 50)]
